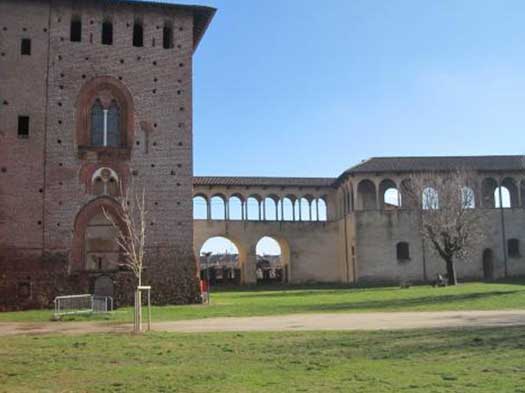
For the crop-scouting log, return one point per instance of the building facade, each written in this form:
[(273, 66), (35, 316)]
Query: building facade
[(95, 97), (358, 227)]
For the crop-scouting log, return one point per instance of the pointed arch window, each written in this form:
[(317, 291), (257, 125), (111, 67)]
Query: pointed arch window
[(97, 124), (113, 125), (105, 125)]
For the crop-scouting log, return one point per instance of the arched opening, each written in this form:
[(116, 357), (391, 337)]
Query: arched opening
[(390, 196), (288, 209), (488, 264), (271, 261), (101, 247), (235, 208), (270, 209), (138, 33), (200, 207), (502, 197), (366, 195), (322, 209), (430, 199), (304, 209), (253, 208), (218, 208), (468, 198), (220, 262)]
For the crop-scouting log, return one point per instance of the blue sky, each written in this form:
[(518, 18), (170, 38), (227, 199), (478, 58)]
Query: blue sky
[(341, 80), (310, 88)]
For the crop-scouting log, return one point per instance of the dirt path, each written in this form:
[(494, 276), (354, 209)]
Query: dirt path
[(295, 322)]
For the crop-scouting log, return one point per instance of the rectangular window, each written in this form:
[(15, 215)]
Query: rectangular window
[(138, 34), (76, 29), (107, 33), (23, 126), (26, 47), (167, 36), (403, 251), (513, 248)]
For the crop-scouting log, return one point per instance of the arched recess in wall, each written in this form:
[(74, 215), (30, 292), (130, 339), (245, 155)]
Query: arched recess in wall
[(106, 91), (93, 210), (488, 188), (273, 260), (221, 261), (389, 195), (200, 207), (407, 195), (366, 195)]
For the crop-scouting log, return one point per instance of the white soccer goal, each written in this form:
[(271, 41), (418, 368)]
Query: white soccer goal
[(82, 304)]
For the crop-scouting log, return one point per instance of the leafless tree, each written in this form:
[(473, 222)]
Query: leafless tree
[(130, 225), (449, 220)]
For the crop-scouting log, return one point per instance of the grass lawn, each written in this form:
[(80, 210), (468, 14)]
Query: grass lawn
[(480, 360), (469, 296)]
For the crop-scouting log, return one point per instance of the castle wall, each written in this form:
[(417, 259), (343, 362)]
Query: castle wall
[(378, 232), (310, 248), (45, 177)]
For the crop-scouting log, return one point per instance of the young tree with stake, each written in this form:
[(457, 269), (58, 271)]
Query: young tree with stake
[(130, 225)]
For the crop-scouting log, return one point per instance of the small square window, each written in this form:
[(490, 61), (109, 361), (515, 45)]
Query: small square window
[(26, 47), (23, 126)]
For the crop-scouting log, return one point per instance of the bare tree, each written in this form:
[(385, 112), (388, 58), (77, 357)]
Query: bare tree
[(449, 220), (130, 224), (131, 230)]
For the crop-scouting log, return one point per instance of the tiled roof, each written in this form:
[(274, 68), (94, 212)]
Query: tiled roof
[(263, 181), (418, 164)]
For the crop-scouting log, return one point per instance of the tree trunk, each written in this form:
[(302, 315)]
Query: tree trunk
[(451, 272)]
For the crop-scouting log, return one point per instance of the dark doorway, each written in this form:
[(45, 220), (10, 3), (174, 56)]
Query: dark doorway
[(488, 264)]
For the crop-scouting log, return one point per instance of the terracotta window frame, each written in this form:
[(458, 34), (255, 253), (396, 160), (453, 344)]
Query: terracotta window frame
[(105, 89)]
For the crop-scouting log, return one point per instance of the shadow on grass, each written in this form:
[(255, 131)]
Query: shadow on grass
[(400, 304), (406, 344), (337, 287)]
